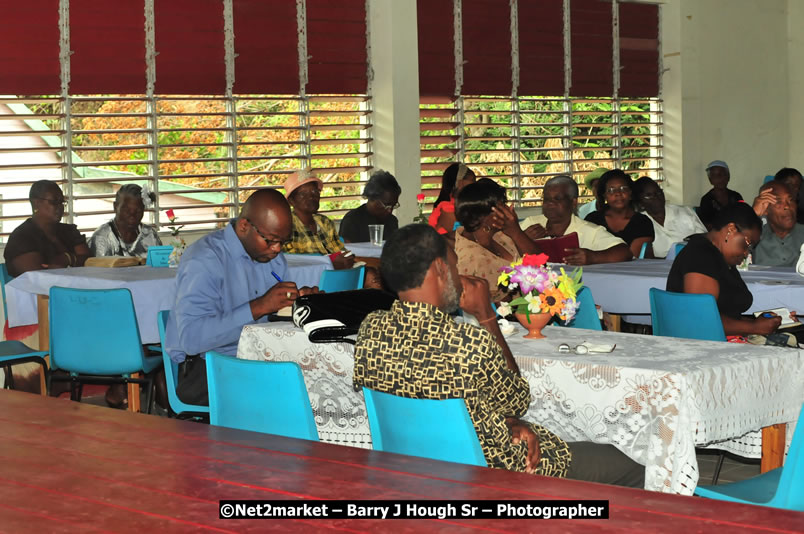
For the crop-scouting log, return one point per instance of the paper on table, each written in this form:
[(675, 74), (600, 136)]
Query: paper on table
[(287, 311)]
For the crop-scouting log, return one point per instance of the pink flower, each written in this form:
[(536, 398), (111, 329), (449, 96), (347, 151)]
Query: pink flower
[(536, 260), (170, 215), (420, 197), (529, 278)]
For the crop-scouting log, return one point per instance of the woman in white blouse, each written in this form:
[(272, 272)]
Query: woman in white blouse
[(671, 223), (125, 235)]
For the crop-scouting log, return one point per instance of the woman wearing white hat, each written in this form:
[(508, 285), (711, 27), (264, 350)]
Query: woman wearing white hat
[(313, 233)]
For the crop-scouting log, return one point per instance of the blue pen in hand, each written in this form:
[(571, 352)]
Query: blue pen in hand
[(276, 276), (768, 315)]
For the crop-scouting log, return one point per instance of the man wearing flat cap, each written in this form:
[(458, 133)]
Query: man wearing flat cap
[(720, 196), (590, 181), (313, 233)]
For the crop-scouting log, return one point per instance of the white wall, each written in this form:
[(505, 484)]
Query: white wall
[(727, 91)]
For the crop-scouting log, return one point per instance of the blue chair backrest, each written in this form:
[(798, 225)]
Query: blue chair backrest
[(437, 429), (4, 279), (790, 492), (342, 280), (643, 250), (686, 315), (94, 331), (267, 397), (158, 255), (172, 372), (586, 316)]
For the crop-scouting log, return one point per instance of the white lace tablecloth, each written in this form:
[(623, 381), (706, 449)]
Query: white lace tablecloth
[(653, 398)]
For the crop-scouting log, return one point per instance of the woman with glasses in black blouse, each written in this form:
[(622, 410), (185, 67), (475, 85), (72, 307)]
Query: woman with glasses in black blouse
[(382, 194), (616, 211), (42, 241)]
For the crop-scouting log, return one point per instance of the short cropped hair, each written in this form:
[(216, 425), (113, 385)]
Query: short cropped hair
[(786, 172), (741, 214), (475, 202), (640, 185), (408, 254), (562, 180), (379, 183)]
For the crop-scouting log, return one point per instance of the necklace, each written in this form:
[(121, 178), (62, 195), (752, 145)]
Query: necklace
[(126, 248)]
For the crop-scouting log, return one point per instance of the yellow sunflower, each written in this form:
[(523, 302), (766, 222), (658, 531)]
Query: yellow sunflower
[(552, 301)]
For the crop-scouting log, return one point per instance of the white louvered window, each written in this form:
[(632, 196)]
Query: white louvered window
[(521, 142), (202, 156)]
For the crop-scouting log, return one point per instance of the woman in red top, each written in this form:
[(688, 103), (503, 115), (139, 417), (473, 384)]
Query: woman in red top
[(456, 177)]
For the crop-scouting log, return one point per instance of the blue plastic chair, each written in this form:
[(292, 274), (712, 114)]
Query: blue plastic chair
[(267, 397), (94, 336), (172, 376), (782, 487), (586, 316), (16, 352), (686, 315), (437, 429), (643, 250), (343, 280)]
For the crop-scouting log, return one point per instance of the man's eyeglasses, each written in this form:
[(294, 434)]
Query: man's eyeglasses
[(651, 196), (270, 242), (54, 202)]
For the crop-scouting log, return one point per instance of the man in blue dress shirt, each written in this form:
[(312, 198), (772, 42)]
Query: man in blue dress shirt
[(226, 280)]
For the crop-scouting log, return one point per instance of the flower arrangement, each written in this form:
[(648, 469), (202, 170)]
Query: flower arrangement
[(420, 218), (179, 244), (543, 290)]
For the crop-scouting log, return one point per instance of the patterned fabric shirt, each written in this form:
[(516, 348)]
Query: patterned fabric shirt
[(415, 350), (107, 242), (323, 241)]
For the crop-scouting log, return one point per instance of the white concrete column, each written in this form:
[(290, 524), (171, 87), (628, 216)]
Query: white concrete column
[(795, 81), (394, 60), (672, 152)]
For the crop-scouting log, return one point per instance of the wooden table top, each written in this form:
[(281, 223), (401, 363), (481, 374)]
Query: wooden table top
[(75, 467)]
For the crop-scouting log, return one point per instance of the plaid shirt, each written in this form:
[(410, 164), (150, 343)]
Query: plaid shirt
[(324, 241)]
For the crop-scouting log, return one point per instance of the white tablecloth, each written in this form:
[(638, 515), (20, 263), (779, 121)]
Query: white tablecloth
[(152, 289), (654, 398), (623, 287)]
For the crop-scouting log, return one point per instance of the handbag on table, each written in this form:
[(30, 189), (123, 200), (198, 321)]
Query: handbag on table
[(332, 317)]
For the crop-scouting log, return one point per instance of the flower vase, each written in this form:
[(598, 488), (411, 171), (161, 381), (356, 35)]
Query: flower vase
[(534, 325), (175, 254)]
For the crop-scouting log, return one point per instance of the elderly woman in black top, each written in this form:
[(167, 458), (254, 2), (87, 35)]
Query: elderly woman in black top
[(616, 211), (382, 192), (708, 264), (42, 241)]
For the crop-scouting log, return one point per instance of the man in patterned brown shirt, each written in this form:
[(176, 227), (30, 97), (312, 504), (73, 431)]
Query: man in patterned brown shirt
[(417, 350)]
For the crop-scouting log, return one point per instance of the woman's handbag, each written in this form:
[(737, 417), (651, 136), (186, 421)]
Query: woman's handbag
[(331, 317)]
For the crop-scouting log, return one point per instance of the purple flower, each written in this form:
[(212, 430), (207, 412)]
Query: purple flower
[(529, 278)]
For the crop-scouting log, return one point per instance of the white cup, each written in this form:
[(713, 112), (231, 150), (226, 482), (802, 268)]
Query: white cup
[(375, 234)]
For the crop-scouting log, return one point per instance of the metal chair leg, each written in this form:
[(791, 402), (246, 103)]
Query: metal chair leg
[(716, 475)]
